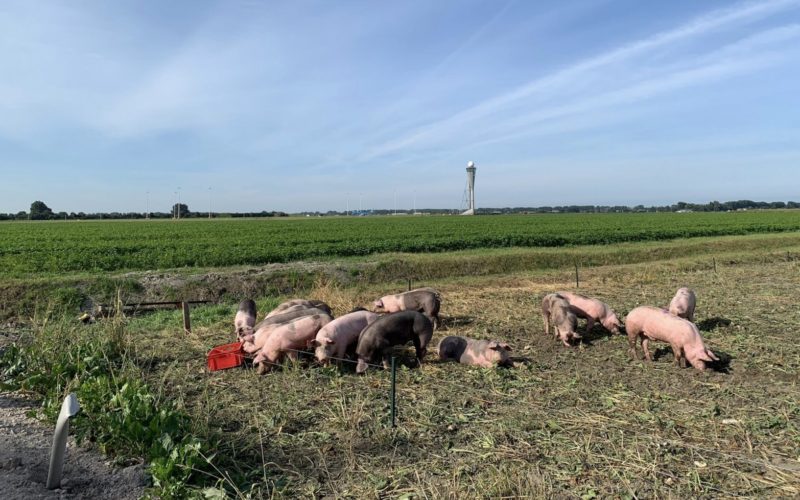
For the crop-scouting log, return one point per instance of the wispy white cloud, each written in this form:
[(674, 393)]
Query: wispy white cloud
[(594, 68)]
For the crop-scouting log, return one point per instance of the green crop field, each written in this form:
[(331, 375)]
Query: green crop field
[(582, 422), (28, 249)]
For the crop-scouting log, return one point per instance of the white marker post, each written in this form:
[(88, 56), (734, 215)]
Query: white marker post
[(68, 409)]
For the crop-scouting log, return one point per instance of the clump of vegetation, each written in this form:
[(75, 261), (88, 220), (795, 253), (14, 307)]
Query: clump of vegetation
[(120, 413)]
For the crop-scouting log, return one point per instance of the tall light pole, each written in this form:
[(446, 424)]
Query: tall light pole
[(395, 201), (209, 202), (178, 208), (414, 212), (347, 205), (147, 212)]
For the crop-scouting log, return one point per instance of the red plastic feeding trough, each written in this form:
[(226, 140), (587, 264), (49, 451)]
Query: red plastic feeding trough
[(225, 356)]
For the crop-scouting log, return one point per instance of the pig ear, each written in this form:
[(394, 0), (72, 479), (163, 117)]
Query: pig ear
[(506, 346), (494, 346), (312, 343), (330, 341)]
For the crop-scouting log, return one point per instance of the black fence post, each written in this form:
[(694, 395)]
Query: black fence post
[(393, 394), (577, 279)]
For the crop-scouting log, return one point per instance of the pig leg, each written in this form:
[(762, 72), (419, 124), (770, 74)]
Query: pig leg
[(291, 355), (676, 351), (546, 321), (417, 348), (683, 358), (589, 324), (564, 336), (387, 361), (646, 348)]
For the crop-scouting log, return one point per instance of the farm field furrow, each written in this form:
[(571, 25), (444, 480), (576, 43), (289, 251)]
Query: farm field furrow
[(28, 249)]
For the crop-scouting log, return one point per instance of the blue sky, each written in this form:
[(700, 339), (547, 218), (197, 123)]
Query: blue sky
[(303, 105)]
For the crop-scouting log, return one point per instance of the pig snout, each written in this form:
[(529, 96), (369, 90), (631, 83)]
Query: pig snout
[(322, 355), (361, 367)]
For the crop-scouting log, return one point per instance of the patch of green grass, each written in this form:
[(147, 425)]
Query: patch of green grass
[(106, 246), (119, 411), (586, 422)]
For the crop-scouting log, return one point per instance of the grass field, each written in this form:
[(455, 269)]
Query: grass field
[(584, 422), (52, 248)]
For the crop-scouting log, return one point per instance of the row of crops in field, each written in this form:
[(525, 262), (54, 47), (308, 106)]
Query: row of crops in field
[(58, 247)]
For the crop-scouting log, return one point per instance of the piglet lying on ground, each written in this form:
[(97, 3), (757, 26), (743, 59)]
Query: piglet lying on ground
[(288, 338), (245, 318), (341, 334), (653, 323), (592, 310), (399, 328), (683, 304), (424, 300), (556, 312), (485, 353)]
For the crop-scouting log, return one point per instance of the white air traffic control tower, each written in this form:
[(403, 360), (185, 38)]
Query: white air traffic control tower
[(470, 189)]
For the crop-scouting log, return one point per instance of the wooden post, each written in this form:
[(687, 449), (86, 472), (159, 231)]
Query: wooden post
[(409, 284), (577, 279), (714, 261), (187, 323)]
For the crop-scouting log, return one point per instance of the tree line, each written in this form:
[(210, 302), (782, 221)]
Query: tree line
[(40, 211)]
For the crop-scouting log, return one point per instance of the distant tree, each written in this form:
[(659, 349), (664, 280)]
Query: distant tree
[(181, 210), (40, 211), (21, 215)]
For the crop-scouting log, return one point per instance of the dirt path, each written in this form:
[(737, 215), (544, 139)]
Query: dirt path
[(25, 452)]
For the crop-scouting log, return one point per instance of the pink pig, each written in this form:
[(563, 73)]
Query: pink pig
[(253, 341), (485, 353), (289, 338), (683, 304), (593, 311), (653, 323), (295, 304), (424, 300), (245, 318), (334, 339)]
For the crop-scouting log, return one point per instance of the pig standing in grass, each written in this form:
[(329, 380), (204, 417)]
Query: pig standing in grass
[(424, 300), (340, 335), (593, 311), (653, 323), (299, 302), (683, 304), (287, 339), (399, 328), (556, 311), (485, 353), (255, 341), (245, 318)]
